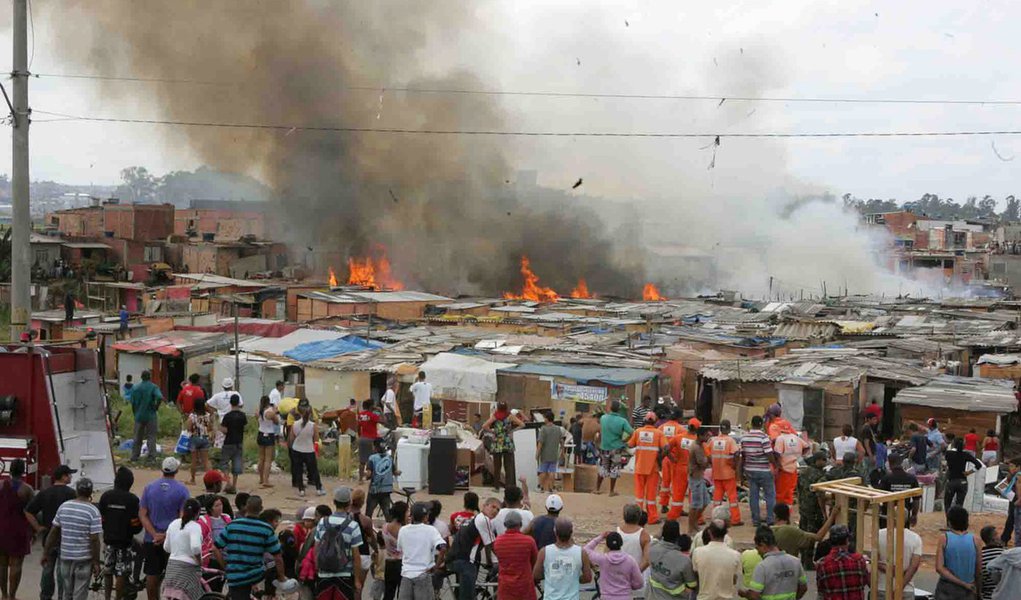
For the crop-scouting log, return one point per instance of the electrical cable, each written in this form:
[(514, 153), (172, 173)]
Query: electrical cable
[(490, 132), (550, 94)]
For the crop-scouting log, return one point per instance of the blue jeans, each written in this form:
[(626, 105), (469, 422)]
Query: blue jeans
[(761, 480), (467, 573)]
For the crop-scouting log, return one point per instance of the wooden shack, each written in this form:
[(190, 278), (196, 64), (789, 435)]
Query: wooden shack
[(958, 403)]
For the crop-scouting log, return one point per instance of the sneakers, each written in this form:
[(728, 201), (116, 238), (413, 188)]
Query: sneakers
[(301, 493), (320, 492)]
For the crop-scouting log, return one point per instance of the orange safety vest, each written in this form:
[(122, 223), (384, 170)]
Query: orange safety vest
[(679, 447), (777, 427), (722, 452), (648, 441), (670, 429)]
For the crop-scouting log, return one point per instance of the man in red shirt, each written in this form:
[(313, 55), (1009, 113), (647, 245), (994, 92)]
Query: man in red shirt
[(189, 393), (517, 553), (367, 434), (841, 574)]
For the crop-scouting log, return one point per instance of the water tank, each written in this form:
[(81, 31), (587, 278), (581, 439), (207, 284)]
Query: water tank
[(413, 463)]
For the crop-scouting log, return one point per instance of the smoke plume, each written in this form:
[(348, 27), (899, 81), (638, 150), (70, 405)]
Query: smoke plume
[(445, 207)]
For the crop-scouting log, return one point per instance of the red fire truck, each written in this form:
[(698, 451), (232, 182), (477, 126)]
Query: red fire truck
[(53, 411)]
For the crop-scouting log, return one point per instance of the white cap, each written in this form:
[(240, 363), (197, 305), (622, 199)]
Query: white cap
[(171, 465), (228, 382), (554, 503), (310, 513)]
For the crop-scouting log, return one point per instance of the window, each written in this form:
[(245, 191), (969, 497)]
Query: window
[(153, 254)]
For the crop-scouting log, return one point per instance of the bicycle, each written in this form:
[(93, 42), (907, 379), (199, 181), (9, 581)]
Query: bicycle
[(384, 507)]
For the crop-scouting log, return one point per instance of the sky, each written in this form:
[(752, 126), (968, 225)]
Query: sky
[(798, 48)]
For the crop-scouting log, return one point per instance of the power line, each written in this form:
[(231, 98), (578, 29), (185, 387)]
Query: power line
[(550, 94), (491, 132)]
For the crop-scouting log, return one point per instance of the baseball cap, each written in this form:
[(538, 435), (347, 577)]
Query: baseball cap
[(228, 382), (84, 486), (310, 513), (62, 471), (342, 495), (170, 465), (213, 477), (554, 503), (695, 423)]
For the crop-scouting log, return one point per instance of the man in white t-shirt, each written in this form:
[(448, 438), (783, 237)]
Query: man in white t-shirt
[(423, 392), (220, 401), (276, 394), (389, 401), (912, 559), (421, 548)]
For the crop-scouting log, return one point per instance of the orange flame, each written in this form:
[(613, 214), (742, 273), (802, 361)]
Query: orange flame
[(581, 290), (531, 290), (372, 272), (650, 293), (333, 278)]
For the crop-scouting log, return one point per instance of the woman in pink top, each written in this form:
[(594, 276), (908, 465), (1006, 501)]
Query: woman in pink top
[(619, 574)]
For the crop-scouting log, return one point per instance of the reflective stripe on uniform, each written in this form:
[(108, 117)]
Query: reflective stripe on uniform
[(652, 448)]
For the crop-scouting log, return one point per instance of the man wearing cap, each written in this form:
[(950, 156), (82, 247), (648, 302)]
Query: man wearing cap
[(723, 453), (40, 512), (541, 527), (811, 504), (213, 481), (76, 528), (517, 554), (349, 579), (220, 401), (145, 400), (678, 449), (671, 427), (649, 448), (161, 503), (841, 574)]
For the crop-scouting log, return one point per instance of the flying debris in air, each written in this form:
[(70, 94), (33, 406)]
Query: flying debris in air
[(722, 100), (577, 184), (508, 213), (714, 62), (626, 24), (506, 180), (392, 195), (579, 61)]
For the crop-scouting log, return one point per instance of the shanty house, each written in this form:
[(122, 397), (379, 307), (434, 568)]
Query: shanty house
[(463, 384), (394, 306), (959, 404), (573, 387), (170, 356), (999, 366)]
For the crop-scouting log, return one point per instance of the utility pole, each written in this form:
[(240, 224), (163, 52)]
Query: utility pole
[(237, 349), (21, 250)]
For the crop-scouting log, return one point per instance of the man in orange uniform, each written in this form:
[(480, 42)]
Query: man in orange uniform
[(789, 446), (678, 452), (648, 442), (775, 423), (723, 451), (670, 428)]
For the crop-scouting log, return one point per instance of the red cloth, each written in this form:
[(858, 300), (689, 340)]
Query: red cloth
[(187, 397), (460, 518), (367, 421), (992, 444), (17, 537), (299, 535), (517, 553), (873, 409), (500, 415), (842, 575), (971, 442)]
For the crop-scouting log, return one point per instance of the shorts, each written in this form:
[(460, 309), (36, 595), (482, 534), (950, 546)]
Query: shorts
[(365, 450), (120, 561), (198, 442), (609, 463), (699, 493), (266, 439), (232, 453), (548, 467), (155, 559)]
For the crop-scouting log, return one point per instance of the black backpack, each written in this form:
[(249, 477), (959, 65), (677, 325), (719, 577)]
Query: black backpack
[(333, 552), (463, 542)]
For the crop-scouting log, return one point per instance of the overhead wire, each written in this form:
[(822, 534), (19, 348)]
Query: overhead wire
[(552, 94), (521, 133)]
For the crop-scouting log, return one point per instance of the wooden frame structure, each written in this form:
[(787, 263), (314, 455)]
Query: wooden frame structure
[(870, 500)]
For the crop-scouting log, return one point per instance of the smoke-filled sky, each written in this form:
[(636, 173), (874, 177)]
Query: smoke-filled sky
[(294, 60)]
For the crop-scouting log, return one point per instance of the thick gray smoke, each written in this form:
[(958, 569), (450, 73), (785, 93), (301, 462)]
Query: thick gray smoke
[(445, 206)]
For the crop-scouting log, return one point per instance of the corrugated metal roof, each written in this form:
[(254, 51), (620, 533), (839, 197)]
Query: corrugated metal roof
[(277, 346), (86, 246), (176, 343), (220, 281), (332, 298), (583, 373), (993, 339), (1000, 359), (402, 296), (962, 393), (805, 331)]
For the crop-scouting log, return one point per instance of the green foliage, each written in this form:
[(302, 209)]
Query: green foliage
[(934, 207)]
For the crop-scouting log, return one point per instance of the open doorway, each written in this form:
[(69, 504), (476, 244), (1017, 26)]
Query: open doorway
[(377, 385), (175, 377)]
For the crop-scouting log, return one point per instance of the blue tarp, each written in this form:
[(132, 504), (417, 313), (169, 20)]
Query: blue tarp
[(311, 351)]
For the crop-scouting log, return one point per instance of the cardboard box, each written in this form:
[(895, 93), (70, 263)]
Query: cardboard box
[(740, 415)]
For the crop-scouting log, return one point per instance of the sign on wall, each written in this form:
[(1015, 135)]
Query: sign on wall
[(579, 393)]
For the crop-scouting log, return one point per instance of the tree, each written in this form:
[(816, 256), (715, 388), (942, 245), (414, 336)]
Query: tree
[(1013, 210), (139, 184)]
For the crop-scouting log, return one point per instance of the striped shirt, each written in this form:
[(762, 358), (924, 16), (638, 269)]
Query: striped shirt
[(638, 416), (988, 585), (352, 536), (78, 522), (245, 540), (755, 449)]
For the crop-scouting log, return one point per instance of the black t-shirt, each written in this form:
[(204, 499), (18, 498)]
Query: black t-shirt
[(920, 443), (119, 509), (45, 504), (957, 460), (898, 481), (868, 439), (235, 422)]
